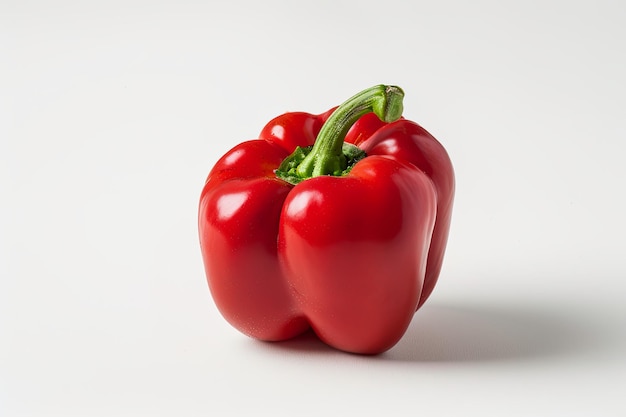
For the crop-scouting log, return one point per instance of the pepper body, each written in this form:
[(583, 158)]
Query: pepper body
[(350, 256)]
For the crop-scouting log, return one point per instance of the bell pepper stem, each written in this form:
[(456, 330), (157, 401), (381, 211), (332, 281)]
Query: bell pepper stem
[(326, 157), (330, 155)]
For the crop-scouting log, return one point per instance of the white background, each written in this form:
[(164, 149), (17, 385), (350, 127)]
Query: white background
[(112, 113)]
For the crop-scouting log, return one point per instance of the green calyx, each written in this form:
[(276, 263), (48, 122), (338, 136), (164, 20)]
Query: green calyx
[(330, 155), (288, 170)]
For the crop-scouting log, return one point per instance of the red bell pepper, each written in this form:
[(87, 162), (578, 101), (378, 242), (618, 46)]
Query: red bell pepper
[(336, 222)]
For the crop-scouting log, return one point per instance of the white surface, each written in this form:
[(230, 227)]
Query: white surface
[(112, 114)]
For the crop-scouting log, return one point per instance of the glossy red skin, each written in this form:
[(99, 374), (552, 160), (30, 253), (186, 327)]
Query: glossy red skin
[(352, 257), (408, 141)]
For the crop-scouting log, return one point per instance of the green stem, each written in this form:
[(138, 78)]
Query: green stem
[(330, 155)]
